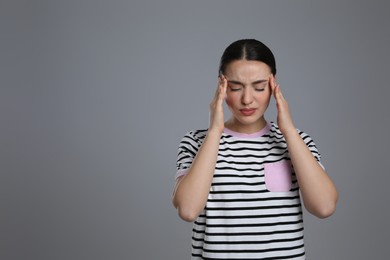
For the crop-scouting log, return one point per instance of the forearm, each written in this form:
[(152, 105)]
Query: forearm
[(191, 191), (318, 192)]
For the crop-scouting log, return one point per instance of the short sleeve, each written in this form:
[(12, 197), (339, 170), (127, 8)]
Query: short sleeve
[(312, 147), (188, 148)]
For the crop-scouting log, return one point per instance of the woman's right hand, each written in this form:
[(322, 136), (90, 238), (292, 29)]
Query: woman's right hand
[(216, 106), (192, 190)]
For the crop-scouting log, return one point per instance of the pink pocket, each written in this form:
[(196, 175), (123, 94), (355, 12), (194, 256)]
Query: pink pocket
[(278, 176)]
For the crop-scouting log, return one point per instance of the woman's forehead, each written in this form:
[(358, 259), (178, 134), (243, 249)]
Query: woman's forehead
[(244, 70)]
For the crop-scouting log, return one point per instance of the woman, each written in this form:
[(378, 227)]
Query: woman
[(241, 181)]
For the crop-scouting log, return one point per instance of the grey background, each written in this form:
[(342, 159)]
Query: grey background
[(96, 95)]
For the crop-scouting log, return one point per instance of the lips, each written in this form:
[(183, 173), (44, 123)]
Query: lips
[(248, 111)]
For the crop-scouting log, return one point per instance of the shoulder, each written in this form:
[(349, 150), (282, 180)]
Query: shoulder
[(274, 130), (193, 138), (196, 134)]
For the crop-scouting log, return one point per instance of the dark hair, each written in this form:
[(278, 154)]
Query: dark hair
[(247, 49)]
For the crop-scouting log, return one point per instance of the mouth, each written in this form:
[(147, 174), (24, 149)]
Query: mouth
[(248, 111)]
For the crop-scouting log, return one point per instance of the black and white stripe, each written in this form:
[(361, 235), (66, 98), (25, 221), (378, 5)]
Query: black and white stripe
[(242, 218)]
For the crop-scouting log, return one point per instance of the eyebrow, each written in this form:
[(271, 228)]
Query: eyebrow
[(253, 83)]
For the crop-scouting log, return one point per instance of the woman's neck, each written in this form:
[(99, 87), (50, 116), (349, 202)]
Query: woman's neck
[(238, 127)]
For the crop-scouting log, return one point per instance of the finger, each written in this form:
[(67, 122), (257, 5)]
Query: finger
[(224, 88), (280, 102), (217, 91), (276, 91), (280, 94), (222, 91), (272, 83)]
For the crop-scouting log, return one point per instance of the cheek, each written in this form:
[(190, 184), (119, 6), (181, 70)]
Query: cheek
[(228, 102), (264, 99)]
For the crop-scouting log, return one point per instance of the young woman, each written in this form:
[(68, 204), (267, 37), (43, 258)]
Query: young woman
[(241, 181)]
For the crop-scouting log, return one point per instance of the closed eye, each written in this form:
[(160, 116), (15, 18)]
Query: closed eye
[(234, 89), (260, 86)]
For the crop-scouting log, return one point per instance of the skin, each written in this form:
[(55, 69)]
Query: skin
[(250, 84), (247, 88)]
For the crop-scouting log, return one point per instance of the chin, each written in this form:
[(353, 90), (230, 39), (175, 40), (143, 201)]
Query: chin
[(249, 121)]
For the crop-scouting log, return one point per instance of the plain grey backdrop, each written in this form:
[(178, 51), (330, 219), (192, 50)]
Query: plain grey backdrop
[(96, 95)]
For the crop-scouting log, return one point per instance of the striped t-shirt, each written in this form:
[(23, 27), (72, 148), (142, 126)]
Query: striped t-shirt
[(253, 209)]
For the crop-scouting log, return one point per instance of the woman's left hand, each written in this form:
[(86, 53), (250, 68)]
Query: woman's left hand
[(284, 119), (318, 191)]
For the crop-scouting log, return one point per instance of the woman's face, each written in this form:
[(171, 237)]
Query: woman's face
[(248, 93)]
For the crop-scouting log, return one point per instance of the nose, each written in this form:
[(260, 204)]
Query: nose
[(247, 97)]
